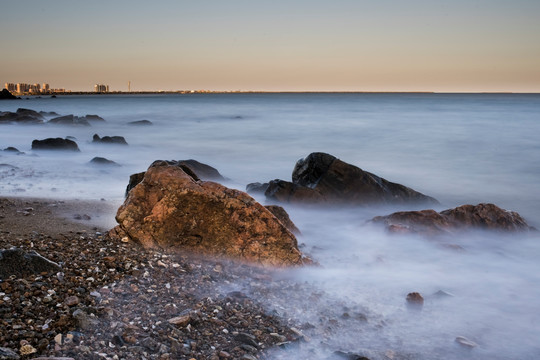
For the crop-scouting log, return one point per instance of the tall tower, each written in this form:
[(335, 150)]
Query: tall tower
[(129, 86)]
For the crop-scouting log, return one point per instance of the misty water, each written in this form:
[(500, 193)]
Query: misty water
[(458, 148)]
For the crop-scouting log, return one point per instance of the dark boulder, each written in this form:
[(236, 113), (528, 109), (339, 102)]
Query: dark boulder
[(465, 217), (22, 116), (193, 167), (12, 149), (69, 120), (55, 144), (140, 123), (17, 262), (119, 140), (101, 161), (322, 178), (49, 113), (6, 95)]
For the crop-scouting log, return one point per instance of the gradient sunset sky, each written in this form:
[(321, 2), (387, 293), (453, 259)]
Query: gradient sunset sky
[(295, 45)]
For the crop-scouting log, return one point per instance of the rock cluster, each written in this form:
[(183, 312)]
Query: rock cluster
[(465, 217), (172, 208), (321, 178), (120, 140), (21, 116)]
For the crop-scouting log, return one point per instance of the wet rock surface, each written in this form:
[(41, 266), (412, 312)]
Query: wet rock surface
[(55, 144), (118, 140), (172, 208), (465, 217), (322, 178)]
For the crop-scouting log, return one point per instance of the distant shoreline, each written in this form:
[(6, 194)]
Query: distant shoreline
[(197, 92)]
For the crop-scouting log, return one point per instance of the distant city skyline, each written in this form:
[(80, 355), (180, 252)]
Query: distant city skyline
[(296, 45)]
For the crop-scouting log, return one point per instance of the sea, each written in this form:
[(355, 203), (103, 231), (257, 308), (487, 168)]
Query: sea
[(457, 148)]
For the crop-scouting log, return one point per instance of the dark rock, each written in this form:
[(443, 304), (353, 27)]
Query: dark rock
[(22, 116), (172, 209), (140, 123), (6, 95), (134, 179), (16, 261), (432, 223), (30, 113), (256, 188), (247, 339), (322, 178), (348, 356), (12, 150), (109, 140), (6, 353), (69, 120), (103, 161), (49, 113), (93, 118), (55, 144), (283, 216)]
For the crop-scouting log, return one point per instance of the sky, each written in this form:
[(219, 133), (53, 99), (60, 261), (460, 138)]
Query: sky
[(293, 45)]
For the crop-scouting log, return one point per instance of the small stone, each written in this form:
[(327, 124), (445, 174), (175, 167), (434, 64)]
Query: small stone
[(72, 301), (224, 355), (246, 339), (27, 350), (6, 353), (182, 320)]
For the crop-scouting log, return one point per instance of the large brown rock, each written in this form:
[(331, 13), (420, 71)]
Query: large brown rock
[(430, 222), (172, 209), (322, 178)]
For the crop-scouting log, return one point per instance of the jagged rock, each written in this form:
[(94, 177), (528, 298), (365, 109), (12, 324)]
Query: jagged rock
[(172, 209), (196, 169), (16, 261), (322, 178), (103, 161), (432, 223), (415, 301), (140, 123), (6, 95), (120, 140), (55, 144), (69, 120)]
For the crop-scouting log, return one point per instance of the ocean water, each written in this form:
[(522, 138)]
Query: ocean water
[(458, 148)]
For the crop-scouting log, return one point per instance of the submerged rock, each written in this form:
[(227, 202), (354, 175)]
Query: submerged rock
[(69, 120), (172, 209), (431, 223), (103, 162), (55, 144), (22, 116), (415, 301), (140, 123), (120, 140), (93, 118), (322, 178)]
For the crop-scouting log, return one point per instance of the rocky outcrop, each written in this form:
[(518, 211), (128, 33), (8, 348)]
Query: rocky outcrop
[(69, 120), (120, 140), (21, 116), (140, 123), (282, 215), (55, 144), (432, 223), (322, 178), (93, 118), (6, 95), (172, 209), (17, 262), (196, 169)]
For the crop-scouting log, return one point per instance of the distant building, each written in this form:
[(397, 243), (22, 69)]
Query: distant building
[(22, 88), (45, 88), (10, 87), (101, 88)]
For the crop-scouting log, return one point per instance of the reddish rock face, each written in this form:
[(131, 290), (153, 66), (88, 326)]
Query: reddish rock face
[(430, 222), (170, 208)]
